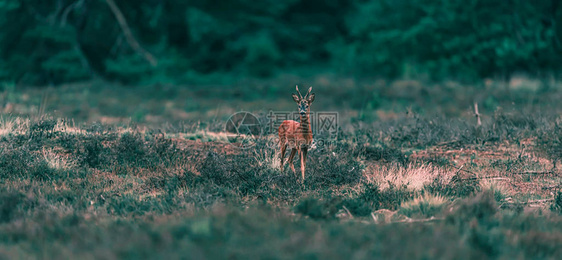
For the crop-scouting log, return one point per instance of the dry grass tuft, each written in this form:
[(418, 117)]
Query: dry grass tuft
[(413, 176), (16, 125), (428, 199), (268, 157), (57, 161)]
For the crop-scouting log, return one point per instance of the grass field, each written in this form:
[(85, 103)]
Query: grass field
[(98, 170)]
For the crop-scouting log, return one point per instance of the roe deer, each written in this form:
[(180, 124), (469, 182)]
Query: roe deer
[(295, 135)]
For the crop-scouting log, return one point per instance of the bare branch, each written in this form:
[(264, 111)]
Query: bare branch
[(534, 172), (412, 220), (478, 120), (348, 212), (69, 9), (374, 217), (533, 201), (128, 34)]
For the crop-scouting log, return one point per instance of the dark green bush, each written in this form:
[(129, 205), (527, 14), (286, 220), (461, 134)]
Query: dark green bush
[(550, 143), (42, 128), (91, 152), (194, 41), (386, 153), (459, 47), (131, 150), (421, 132), (324, 172), (460, 185), (126, 205), (14, 162), (481, 207), (21, 163), (9, 203), (318, 208), (556, 205), (372, 198)]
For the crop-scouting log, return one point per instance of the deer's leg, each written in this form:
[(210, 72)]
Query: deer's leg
[(283, 148), (291, 156), (303, 161)]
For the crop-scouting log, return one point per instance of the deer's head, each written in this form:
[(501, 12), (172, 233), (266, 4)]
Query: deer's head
[(303, 102)]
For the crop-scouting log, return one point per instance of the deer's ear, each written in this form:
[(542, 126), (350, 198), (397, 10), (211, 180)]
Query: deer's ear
[(311, 98), (296, 98)]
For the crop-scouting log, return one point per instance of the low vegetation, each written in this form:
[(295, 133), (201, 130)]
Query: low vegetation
[(442, 186), (113, 143)]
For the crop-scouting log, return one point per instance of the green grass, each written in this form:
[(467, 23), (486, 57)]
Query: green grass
[(426, 185)]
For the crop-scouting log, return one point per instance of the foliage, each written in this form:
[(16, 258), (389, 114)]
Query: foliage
[(129, 192), (550, 142), (556, 206), (426, 206), (373, 198), (64, 41), (161, 189), (455, 38), (388, 154), (461, 185)]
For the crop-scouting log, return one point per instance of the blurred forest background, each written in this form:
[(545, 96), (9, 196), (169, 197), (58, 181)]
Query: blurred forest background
[(177, 42), (113, 139)]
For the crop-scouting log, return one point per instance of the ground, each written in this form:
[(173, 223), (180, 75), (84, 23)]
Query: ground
[(98, 170)]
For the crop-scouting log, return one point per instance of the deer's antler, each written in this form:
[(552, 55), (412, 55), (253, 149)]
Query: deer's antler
[(307, 93), (297, 87)]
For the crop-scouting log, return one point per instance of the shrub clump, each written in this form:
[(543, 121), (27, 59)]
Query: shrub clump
[(329, 171), (90, 151), (556, 205), (335, 167), (316, 208), (372, 198), (386, 153), (423, 206), (20, 162), (550, 142), (9, 202), (480, 207), (131, 149), (460, 185)]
